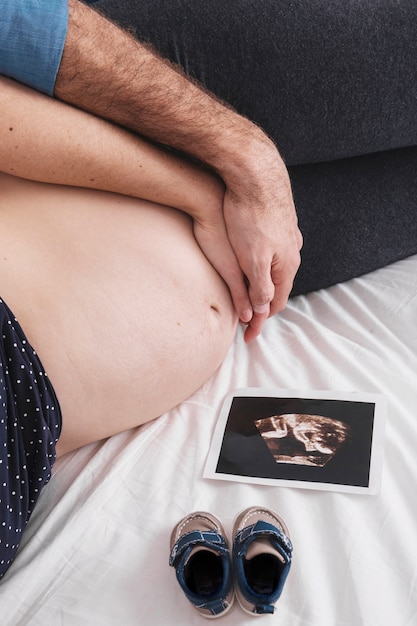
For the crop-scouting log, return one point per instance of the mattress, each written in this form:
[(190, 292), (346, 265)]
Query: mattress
[(96, 550)]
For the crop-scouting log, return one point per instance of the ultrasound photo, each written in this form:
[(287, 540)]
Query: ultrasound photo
[(311, 440)]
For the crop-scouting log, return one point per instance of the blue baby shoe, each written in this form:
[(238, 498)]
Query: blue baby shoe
[(201, 557), (262, 553)]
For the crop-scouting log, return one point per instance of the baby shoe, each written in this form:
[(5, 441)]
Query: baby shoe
[(201, 557), (262, 553)]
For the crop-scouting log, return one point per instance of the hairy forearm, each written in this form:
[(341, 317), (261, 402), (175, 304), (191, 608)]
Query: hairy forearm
[(49, 141), (107, 72)]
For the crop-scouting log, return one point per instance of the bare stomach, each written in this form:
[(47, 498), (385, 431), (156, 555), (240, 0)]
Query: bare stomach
[(125, 312)]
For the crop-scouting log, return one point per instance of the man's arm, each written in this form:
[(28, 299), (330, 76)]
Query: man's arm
[(105, 71)]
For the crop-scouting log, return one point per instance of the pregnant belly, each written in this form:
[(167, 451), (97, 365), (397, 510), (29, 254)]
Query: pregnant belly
[(112, 292)]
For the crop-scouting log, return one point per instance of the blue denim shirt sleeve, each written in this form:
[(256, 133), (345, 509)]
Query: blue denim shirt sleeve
[(32, 37)]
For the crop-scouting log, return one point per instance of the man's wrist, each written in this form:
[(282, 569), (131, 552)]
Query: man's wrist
[(249, 157)]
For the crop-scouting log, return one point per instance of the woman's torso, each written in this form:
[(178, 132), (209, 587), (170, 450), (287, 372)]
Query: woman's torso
[(116, 297)]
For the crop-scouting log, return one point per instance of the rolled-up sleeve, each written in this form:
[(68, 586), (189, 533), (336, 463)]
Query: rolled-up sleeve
[(32, 38)]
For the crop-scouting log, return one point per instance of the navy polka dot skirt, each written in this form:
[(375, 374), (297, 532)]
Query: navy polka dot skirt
[(30, 425)]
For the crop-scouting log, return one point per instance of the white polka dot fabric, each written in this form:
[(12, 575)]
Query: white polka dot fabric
[(30, 424)]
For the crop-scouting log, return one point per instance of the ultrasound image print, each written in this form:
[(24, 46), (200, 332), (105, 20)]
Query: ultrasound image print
[(312, 440), (303, 439)]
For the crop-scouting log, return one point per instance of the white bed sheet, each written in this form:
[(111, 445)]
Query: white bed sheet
[(96, 550)]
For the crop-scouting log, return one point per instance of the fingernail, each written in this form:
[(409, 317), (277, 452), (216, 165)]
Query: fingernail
[(261, 308), (246, 316)]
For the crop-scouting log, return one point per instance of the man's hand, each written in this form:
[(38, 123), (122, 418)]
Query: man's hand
[(262, 228), (252, 239)]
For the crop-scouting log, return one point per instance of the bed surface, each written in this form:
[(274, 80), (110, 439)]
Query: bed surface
[(96, 549)]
